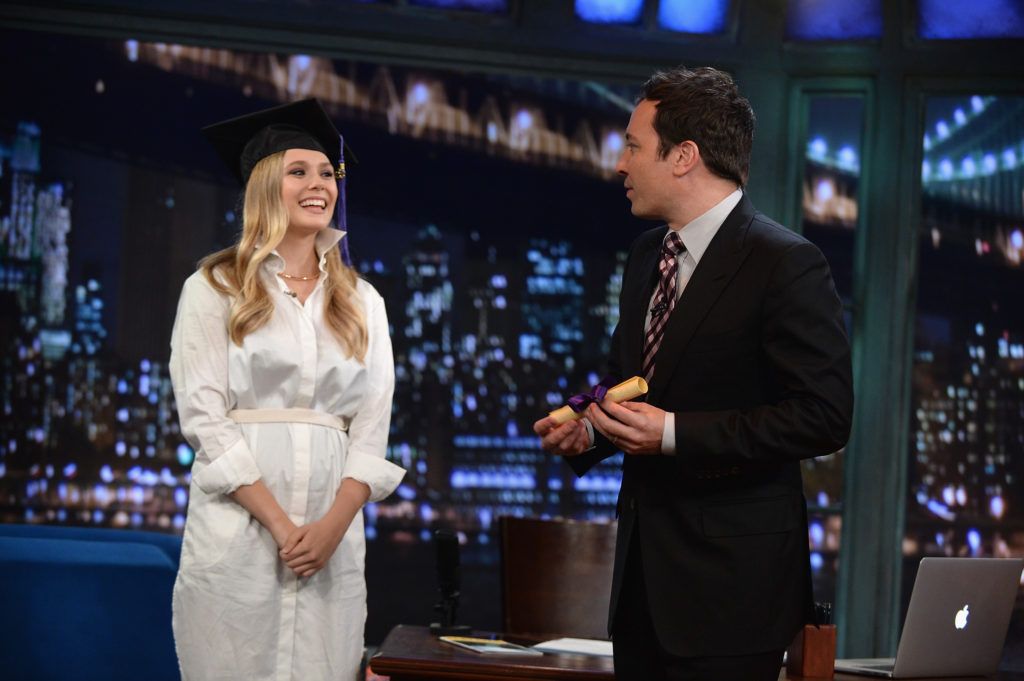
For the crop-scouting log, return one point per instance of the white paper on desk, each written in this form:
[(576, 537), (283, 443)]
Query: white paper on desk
[(576, 646)]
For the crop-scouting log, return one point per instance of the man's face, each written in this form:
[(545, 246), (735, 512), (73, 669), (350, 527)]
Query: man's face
[(648, 179)]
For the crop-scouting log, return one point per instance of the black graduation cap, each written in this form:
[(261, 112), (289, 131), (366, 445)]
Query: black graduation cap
[(244, 141)]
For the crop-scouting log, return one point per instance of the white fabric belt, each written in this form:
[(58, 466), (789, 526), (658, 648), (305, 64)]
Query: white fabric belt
[(312, 416)]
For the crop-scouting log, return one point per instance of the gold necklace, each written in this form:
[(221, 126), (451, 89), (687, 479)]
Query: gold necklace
[(297, 278)]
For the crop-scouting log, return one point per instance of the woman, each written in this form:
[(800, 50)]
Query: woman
[(283, 376)]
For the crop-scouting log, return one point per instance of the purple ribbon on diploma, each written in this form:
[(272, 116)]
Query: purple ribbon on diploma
[(580, 402)]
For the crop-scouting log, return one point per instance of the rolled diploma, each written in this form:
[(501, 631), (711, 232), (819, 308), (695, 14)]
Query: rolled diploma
[(627, 390)]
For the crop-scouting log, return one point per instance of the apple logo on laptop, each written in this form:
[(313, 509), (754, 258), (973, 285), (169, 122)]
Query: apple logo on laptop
[(960, 621)]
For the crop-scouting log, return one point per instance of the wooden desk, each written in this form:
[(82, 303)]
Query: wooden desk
[(410, 653)]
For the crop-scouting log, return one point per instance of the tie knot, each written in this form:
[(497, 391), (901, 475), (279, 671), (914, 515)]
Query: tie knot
[(673, 245)]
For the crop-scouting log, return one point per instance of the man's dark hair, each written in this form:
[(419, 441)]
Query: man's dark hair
[(703, 105)]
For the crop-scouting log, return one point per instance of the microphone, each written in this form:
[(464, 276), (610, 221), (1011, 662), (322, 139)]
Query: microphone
[(448, 582), (659, 309), (448, 579)]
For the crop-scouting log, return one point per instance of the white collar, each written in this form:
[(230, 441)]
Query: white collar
[(697, 234), (326, 239)]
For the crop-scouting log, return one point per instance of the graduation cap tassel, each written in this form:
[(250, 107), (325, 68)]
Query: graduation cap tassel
[(340, 208)]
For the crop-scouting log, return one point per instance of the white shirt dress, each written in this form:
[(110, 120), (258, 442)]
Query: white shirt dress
[(239, 612)]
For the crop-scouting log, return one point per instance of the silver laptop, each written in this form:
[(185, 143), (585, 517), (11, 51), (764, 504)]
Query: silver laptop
[(956, 624)]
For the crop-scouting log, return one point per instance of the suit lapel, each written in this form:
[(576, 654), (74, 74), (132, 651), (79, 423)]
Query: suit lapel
[(634, 313), (720, 261)]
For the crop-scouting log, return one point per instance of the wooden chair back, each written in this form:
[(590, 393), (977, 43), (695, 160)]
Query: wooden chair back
[(556, 577)]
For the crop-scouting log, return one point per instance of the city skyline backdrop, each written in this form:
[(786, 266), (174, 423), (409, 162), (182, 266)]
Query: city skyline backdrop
[(491, 224)]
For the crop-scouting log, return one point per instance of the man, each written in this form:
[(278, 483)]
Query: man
[(736, 325)]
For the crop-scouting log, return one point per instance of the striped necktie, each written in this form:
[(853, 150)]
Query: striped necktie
[(664, 300)]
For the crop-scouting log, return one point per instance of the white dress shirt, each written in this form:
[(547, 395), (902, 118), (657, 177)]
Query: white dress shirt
[(237, 611)]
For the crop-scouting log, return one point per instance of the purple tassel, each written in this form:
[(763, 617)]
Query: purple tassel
[(339, 208)]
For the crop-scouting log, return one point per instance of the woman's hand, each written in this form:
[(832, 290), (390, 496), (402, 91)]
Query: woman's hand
[(308, 548), (282, 530), (261, 504)]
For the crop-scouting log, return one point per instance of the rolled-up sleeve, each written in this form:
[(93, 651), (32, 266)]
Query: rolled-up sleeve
[(199, 374), (368, 432)]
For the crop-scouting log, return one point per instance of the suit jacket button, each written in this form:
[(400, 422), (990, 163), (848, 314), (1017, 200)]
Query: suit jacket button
[(632, 504)]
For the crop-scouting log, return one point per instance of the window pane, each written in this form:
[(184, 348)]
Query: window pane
[(830, 182), (833, 19), (964, 496), (610, 11), (829, 196), (693, 16), (823, 531), (953, 19)]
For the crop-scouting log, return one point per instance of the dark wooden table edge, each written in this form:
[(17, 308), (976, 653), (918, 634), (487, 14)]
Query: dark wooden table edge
[(477, 667)]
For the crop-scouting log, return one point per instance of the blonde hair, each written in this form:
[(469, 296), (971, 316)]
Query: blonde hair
[(235, 271)]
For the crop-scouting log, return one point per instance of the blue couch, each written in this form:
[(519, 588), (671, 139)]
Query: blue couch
[(84, 603)]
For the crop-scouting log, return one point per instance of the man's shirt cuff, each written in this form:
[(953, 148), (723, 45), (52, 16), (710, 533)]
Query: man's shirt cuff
[(590, 431), (668, 435)]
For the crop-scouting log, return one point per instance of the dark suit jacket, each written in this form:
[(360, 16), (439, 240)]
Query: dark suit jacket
[(755, 363)]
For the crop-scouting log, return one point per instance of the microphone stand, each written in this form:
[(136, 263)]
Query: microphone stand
[(445, 609)]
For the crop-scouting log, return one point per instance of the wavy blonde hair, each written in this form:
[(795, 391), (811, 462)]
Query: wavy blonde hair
[(235, 271)]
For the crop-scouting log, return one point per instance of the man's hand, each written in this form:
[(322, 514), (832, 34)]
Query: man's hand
[(568, 439), (633, 427), (309, 547)]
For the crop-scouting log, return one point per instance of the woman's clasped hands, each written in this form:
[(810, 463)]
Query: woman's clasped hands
[(307, 548)]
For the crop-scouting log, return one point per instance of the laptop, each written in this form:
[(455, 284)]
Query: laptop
[(957, 621)]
